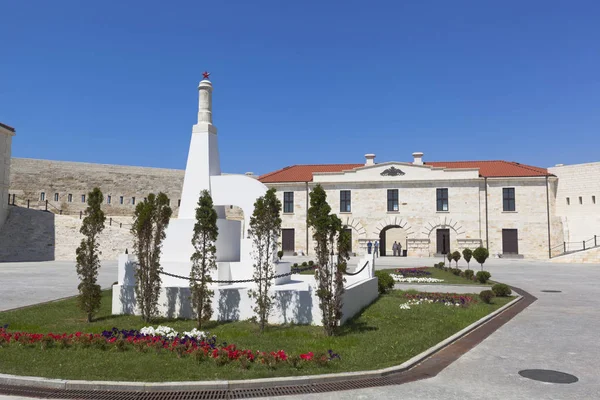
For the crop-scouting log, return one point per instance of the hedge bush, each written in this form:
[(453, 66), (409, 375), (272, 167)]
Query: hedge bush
[(469, 273), (483, 276), (385, 282), (311, 263), (486, 296), (501, 290)]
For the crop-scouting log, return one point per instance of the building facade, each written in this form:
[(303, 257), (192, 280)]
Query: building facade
[(428, 208), (578, 204), (6, 135)]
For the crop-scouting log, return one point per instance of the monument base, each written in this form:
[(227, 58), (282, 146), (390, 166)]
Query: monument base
[(295, 301)]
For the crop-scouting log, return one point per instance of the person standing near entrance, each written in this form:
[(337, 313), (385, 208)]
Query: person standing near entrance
[(369, 246), (376, 248), (399, 250), (395, 248)]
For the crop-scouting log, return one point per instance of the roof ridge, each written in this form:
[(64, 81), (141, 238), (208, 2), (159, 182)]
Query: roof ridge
[(274, 172), (527, 166)]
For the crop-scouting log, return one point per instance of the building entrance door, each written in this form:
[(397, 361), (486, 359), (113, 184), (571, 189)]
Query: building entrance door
[(443, 241), (287, 240), (510, 241)]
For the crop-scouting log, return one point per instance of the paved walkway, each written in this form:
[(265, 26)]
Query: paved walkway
[(559, 331), (26, 283)]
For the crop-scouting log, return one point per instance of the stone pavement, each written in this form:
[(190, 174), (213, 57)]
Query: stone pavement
[(26, 283), (559, 331)]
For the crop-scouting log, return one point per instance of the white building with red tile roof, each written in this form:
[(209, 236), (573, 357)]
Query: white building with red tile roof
[(428, 208)]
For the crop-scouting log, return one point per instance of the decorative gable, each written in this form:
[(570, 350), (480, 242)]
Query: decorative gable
[(395, 171)]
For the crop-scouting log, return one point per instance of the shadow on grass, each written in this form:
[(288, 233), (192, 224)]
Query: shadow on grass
[(109, 317), (353, 325)]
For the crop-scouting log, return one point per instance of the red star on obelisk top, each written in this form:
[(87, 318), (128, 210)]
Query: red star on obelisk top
[(206, 74)]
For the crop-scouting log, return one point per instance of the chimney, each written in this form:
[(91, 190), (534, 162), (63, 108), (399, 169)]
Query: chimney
[(418, 158), (370, 159)]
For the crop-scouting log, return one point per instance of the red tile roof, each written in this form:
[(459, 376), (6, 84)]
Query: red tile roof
[(304, 173), (489, 169), (494, 169)]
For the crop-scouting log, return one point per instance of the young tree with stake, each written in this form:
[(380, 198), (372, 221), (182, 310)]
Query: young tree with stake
[(151, 218), (88, 260), (265, 227), (204, 258)]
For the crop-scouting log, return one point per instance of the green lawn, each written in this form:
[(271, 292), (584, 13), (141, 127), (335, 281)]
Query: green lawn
[(382, 336), (448, 277)]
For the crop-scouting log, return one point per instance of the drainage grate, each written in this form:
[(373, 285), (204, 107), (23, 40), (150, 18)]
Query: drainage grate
[(548, 376), (551, 291)]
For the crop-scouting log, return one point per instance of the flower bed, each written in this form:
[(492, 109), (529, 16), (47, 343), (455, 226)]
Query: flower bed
[(403, 279), (448, 299), (419, 272), (194, 343)]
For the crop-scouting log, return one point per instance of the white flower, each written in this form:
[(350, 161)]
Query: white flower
[(195, 333), (401, 278), (404, 306)]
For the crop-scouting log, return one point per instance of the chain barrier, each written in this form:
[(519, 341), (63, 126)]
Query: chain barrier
[(296, 270), (293, 271), (357, 272)]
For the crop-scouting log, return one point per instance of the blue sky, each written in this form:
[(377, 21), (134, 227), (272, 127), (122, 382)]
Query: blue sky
[(303, 82)]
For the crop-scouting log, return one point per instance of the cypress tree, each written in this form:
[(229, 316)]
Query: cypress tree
[(88, 255)]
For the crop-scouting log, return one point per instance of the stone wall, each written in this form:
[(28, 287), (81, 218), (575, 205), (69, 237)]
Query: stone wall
[(5, 160), (419, 220), (125, 185), (578, 200), (72, 180)]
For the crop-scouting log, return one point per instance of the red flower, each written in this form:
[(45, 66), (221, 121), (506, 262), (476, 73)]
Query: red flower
[(308, 356)]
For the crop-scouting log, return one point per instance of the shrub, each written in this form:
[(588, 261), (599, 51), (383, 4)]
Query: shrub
[(385, 282), (481, 254), (295, 265), (467, 255), (449, 257), (280, 254), (501, 290), (486, 295), (455, 271), (311, 263), (483, 276), (462, 274), (456, 256), (469, 273), (305, 264)]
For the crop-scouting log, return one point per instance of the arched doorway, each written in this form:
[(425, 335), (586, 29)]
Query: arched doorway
[(388, 236)]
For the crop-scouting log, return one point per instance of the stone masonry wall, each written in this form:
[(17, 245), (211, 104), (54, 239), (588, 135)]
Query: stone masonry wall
[(30, 178), (419, 219), (5, 159), (578, 200)]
